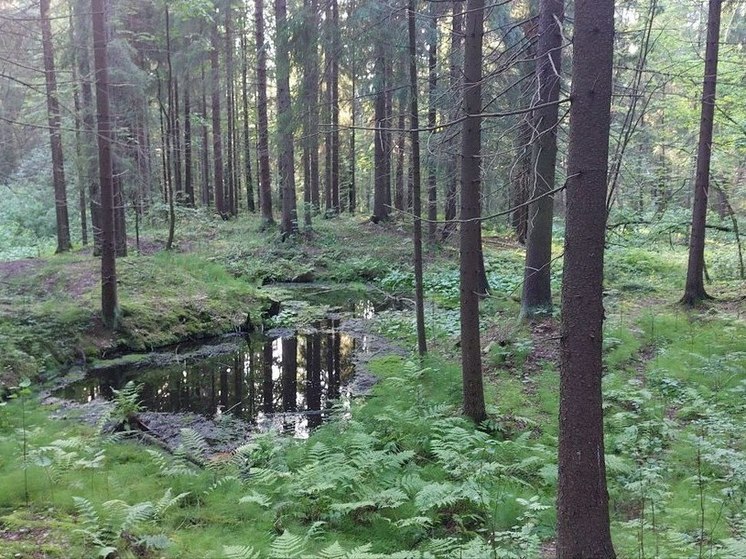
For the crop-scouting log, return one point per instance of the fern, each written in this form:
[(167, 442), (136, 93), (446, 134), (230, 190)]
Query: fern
[(166, 502), (286, 546), (258, 498), (240, 552)]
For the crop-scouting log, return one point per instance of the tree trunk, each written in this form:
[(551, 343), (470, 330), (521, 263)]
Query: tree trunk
[(310, 120), (246, 135), (351, 199), (419, 296), (694, 291), (381, 166), (188, 181), (89, 122), (399, 151), (55, 133), (471, 240), (265, 185), (173, 135), (109, 304), (583, 502), (286, 159), (205, 145), (455, 84), (432, 114), (334, 106), (230, 147), (217, 140), (537, 291), (79, 149)]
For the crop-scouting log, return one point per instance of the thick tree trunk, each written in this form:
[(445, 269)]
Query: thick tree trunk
[(286, 163), (471, 240), (694, 291), (265, 185), (537, 291), (109, 303), (583, 502), (55, 133)]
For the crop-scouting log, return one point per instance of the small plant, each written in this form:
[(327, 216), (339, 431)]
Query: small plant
[(122, 529)]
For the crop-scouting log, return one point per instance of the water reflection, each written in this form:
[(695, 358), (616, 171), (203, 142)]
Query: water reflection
[(286, 383)]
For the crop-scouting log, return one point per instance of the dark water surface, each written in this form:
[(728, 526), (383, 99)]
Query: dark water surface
[(282, 379)]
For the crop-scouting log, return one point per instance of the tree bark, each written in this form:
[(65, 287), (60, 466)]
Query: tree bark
[(265, 185), (206, 198), (537, 291), (188, 181), (109, 303), (432, 115), (286, 159), (249, 178), (230, 147), (381, 164), (454, 79), (419, 296), (55, 133), (334, 106), (471, 240), (694, 291), (583, 502), (217, 140)]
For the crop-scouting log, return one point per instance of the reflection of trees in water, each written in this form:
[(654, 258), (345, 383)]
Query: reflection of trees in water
[(291, 374)]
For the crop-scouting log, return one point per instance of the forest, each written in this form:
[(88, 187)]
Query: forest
[(355, 279)]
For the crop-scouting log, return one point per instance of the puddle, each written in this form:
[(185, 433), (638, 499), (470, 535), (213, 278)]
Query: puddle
[(281, 380)]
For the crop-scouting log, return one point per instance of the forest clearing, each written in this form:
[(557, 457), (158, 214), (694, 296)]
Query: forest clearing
[(354, 279)]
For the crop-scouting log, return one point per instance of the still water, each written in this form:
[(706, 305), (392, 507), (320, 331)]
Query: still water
[(287, 381)]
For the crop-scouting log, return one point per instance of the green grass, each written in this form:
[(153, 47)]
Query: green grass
[(674, 385)]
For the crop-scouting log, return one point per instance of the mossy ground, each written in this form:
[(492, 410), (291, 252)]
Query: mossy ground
[(674, 386)]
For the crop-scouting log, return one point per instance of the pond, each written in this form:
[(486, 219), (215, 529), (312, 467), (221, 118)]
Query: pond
[(282, 379)]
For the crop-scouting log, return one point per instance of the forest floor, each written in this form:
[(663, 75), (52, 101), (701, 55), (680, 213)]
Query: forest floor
[(405, 474)]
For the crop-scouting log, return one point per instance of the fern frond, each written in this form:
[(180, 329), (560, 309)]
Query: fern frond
[(334, 551), (155, 542), (286, 546), (436, 496), (87, 513), (136, 514), (258, 498), (192, 443), (415, 521), (240, 552), (166, 502), (221, 482)]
